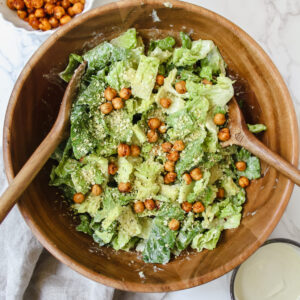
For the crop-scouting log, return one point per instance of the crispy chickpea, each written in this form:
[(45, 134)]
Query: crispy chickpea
[(34, 23), (117, 103), (170, 177), (19, 4), (187, 178), (44, 25), (22, 14), (77, 8), (179, 146), (219, 119), (152, 136), (10, 4), (241, 165), (196, 174), (139, 207), (106, 108), (224, 134), (58, 3), (82, 2), (124, 187), (28, 4), (166, 147), (37, 3), (112, 169), (96, 190), (169, 166), (58, 12), (180, 87), (78, 198), (220, 193), (125, 93), (243, 181), (31, 17), (39, 13), (53, 22), (135, 150), (174, 224), (49, 8), (65, 4), (74, 1), (173, 156), (165, 102), (110, 93), (154, 123), (186, 206), (65, 19), (123, 150), (198, 207), (162, 128), (205, 81), (149, 204), (160, 79), (70, 11), (51, 1)]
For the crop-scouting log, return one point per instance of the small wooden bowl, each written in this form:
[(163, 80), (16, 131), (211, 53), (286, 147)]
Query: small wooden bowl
[(34, 105)]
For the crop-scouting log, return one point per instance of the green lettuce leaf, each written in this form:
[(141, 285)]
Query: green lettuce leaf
[(126, 40), (164, 44), (253, 165), (186, 42), (74, 61), (208, 240), (257, 128)]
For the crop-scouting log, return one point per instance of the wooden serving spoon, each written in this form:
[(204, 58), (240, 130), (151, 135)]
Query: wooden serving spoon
[(37, 160), (241, 136)]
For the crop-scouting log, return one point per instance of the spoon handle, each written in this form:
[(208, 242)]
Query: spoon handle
[(252, 144)]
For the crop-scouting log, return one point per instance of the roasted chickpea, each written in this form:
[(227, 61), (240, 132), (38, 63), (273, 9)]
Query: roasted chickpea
[(152, 136), (125, 93), (31, 17), (74, 1), (169, 166), (106, 108), (186, 206), (196, 174), (19, 4), (112, 169), (22, 14), (174, 224), (160, 79), (65, 4), (170, 177), (78, 198), (96, 190), (39, 13), (37, 3), (241, 165), (58, 12), (219, 119), (123, 150), (28, 4), (180, 87), (243, 181), (135, 150), (187, 178), (198, 207), (65, 19), (162, 128), (51, 1), (53, 22), (117, 103), (77, 8), (205, 81), (165, 102), (224, 134), (124, 187), (71, 12), (179, 146), (173, 156), (44, 25), (110, 93), (49, 8), (10, 4), (220, 193), (149, 204), (166, 147), (34, 23), (154, 123), (139, 207)]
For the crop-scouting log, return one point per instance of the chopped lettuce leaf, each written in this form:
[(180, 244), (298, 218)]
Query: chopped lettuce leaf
[(186, 42), (257, 128), (164, 44), (74, 61), (253, 165), (126, 40), (214, 62), (207, 240)]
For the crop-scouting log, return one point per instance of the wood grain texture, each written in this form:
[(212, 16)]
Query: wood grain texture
[(33, 107)]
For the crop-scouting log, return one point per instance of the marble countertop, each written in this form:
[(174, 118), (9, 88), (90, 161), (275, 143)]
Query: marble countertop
[(275, 24)]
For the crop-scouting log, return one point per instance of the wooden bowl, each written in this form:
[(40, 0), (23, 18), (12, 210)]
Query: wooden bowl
[(34, 105)]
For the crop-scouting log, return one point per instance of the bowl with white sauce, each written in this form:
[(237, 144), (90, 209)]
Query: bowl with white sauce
[(272, 272)]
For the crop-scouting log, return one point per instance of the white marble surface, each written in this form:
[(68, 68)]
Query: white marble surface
[(275, 24)]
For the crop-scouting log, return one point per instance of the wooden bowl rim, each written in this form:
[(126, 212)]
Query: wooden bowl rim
[(37, 230)]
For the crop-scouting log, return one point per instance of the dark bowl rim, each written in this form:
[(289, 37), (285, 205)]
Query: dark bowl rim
[(82, 269), (271, 241)]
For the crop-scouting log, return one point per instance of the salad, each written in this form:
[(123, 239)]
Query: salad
[(143, 167)]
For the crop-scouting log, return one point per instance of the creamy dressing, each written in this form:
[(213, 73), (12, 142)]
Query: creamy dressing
[(271, 273)]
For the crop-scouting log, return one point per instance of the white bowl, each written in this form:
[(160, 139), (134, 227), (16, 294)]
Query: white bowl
[(11, 16)]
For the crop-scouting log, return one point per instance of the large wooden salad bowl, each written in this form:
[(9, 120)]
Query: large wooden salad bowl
[(34, 104)]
